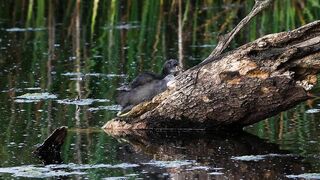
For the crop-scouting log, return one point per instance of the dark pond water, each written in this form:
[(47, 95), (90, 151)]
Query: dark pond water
[(61, 62)]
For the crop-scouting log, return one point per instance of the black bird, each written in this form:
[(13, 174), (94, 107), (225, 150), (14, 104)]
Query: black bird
[(146, 85)]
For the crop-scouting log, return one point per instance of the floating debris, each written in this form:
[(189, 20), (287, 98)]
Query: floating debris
[(16, 29), (305, 176), (125, 165), (92, 74), (81, 102), (33, 88), (131, 175), (76, 79), (26, 101), (211, 171), (115, 178), (216, 173), (34, 97), (12, 90), (249, 158), (109, 108), (312, 111), (104, 75), (53, 170), (205, 168), (127, 26), (91, 166), (123, 26), (72, 74), (258, 157), (217, 168), (37, 96), (31, 171), (170, 164)]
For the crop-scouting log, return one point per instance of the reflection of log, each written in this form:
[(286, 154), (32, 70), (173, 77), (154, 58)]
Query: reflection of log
[(211, 150), (238, 88), (49, 150)]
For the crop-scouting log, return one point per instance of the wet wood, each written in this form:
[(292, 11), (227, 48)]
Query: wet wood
[(238, 88), (49, 150)]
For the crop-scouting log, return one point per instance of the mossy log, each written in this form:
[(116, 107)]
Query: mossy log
[(237, 88)]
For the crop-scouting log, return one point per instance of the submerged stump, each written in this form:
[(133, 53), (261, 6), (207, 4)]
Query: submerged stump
[(49, 151), (237, 88)]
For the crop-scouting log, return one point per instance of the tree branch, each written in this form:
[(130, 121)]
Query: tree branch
[(225, 40)]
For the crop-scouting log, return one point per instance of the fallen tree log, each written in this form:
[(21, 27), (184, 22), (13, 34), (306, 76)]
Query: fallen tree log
[(238, 88)]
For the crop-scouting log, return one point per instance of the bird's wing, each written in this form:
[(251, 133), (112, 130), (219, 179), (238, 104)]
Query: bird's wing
[(142, 79)]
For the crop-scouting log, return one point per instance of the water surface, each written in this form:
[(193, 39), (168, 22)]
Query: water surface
[(61, 63)]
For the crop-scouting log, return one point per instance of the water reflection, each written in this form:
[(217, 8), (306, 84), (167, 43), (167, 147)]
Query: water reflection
[(163, 155), (215, 154)]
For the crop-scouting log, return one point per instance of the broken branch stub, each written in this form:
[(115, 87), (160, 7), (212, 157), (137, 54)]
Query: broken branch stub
[(225, 40)]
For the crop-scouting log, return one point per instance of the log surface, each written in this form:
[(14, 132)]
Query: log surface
[(237, 88)]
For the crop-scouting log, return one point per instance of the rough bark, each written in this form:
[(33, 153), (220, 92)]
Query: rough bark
[(238, 88)]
